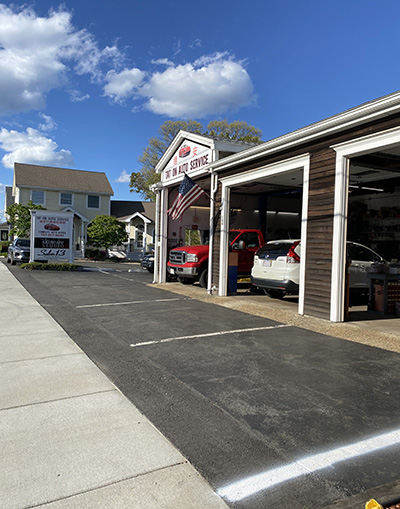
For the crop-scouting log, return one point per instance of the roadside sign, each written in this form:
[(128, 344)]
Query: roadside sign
[(51, 235)]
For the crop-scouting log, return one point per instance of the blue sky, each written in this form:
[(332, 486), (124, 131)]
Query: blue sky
[(86, 84)]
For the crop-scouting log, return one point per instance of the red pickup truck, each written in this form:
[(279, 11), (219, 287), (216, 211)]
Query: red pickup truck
[(190, 263)]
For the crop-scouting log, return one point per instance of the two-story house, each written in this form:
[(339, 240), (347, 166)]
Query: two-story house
[(139, 217), (85, 193)]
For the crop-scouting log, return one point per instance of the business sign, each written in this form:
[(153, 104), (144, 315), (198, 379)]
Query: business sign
[(51, 235), (189, 157)]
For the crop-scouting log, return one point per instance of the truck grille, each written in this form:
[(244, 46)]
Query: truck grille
[(178, 257)]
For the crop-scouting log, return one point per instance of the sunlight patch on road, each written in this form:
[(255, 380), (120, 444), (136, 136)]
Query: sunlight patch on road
[(246, 487)]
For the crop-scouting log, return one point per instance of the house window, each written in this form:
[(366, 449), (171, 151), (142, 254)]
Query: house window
[(65, 198), (93, 201), (37, 197)]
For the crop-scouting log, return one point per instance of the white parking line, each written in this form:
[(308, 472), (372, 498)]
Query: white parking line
[(245, 488), (125, 303), (220, 333)]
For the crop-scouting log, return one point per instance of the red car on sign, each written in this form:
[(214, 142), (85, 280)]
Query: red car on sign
[(52, 227), (184, 151)]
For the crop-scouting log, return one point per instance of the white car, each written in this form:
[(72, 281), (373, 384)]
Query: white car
[(276, 267)]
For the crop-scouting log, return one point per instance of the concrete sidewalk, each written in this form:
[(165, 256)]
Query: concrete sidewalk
[(68, 437)]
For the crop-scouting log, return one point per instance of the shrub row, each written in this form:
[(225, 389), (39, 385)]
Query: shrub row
[(50, 266)]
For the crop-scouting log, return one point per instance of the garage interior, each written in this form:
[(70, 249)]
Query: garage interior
[(374, 218), (272, 204)]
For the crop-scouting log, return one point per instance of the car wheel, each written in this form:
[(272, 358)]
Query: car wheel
[(186, 280), (13, 262), (274, 294), (203, 279)]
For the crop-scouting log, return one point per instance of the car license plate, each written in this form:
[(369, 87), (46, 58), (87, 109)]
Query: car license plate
[(171, 270), (267, 263)]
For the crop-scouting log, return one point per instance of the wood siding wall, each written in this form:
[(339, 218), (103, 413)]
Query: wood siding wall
[(317, 299)]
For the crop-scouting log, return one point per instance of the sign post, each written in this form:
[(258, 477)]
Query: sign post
[(51, 236)]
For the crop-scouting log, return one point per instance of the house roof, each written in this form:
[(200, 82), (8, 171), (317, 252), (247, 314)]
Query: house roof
[(122, 209), (47, 177)]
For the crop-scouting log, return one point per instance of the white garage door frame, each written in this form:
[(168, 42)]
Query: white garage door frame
[(288, 165), (344, 152)]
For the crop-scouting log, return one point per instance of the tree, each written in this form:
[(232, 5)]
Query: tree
[(20, 218), (106, 231), (237, 130), (143, 179)]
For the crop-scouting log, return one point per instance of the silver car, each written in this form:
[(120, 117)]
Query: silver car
[(19, 251), (276, 267)]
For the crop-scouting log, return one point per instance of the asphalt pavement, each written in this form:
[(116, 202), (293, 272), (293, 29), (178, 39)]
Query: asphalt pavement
[(68, 437), (269, 414)]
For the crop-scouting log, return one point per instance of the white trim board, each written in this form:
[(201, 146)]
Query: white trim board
[(344, 152), (287, 165)]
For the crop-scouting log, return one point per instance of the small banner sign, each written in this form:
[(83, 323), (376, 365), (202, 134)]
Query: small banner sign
[(51, 235)]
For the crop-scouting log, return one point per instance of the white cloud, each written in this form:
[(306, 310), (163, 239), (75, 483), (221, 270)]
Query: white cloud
[(163, 61), (124, 178), (77, 96), (48, 123), (123, 84), (38, 53), (32, 147), (197, 90), (211, 85)]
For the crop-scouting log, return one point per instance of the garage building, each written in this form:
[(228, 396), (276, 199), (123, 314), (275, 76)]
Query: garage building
[(332, 181)]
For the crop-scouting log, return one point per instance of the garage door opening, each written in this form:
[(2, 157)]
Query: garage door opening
[(373, 236), (272, 200)]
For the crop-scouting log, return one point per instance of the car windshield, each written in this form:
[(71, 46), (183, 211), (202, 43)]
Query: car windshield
[(22, 243), (232, 236)]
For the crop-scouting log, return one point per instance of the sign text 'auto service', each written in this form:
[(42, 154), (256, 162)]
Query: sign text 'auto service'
[(188, 158), (51, 235)]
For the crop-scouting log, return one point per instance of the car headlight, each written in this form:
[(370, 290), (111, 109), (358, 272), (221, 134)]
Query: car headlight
[(191, 258)]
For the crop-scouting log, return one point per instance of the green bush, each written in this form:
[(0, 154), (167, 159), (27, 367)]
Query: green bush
[(51, 266), (4, 246), (92, 252)]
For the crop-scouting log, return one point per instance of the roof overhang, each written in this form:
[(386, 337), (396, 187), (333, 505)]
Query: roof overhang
[(145, 219), (70, 209), (373, 110)]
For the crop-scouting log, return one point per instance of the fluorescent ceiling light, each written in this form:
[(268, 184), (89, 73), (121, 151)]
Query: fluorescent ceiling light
[(282, 213), (366, 188)]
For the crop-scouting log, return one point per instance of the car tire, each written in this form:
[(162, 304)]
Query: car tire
[(274, 294), (203, 279), (185, 280)]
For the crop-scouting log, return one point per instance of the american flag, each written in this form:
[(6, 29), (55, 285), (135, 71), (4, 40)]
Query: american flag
[(188, 193)]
